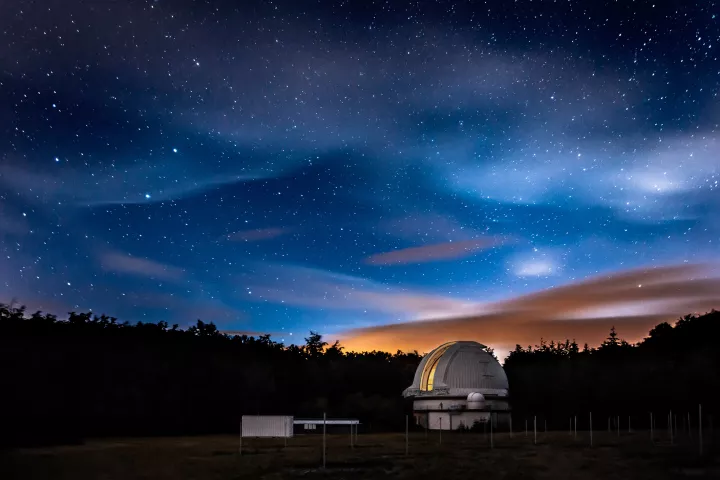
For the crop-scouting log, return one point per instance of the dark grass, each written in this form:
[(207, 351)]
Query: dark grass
[(557, 455)]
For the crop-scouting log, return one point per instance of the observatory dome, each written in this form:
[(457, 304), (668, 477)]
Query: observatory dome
[(459, 369), (457, 385)]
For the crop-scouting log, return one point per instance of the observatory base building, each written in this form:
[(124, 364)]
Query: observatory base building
[(458, 385)]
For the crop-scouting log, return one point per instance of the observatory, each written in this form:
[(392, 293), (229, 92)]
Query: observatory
[(458, 385)]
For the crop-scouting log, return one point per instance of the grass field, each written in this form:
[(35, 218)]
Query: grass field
[(557, 455)]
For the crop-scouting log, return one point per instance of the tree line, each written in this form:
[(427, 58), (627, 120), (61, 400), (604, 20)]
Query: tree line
[(89, 375), (676, 367)]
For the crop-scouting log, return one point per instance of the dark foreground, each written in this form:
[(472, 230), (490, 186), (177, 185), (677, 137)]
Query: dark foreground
[(556, 456)]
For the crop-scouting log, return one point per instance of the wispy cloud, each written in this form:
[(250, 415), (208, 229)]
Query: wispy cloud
[(633, 301), (256, 235), (434, 253), (536, 263), (136, 185), (143, 267), (320, 289), (536, 268), (560, 97), (637, 178)]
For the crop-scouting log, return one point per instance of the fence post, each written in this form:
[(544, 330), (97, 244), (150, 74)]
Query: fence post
[(324, 441), (240, 436), (407, 447), (511, 433), (670, 427), (700, 436), (492, 445), (652, 433), (591, 442), (575, 427), (535, 429)]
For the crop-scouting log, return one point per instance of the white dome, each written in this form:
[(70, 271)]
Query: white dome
[(475, 401), (459, 369), (476, 397)]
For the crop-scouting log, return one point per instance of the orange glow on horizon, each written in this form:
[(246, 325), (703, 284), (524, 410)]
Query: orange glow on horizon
[(581, 311)]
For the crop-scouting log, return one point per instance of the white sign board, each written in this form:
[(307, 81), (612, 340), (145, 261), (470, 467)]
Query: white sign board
[(267, 426)]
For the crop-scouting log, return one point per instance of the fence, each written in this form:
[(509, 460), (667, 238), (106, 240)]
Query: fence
[(693, 431)]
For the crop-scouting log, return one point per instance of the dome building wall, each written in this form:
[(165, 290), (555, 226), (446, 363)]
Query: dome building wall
[(459, 384)]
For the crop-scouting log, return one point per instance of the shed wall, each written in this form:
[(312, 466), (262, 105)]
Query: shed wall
[(269, 426)]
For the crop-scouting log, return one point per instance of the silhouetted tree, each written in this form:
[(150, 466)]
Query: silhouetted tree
[(314, 344), (675, 367), (89, 375), (611, 341)]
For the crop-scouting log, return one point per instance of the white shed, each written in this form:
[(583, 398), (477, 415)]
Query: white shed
[(267, 426)]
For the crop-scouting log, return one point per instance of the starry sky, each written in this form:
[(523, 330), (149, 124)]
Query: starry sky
[(391, 173)]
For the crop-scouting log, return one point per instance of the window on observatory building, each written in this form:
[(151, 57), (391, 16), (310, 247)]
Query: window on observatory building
[(428, 377), (431, 376)]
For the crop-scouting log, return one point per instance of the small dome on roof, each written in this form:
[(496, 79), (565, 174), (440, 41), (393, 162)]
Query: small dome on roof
[(475, 401), (476, 397), (459, 369)]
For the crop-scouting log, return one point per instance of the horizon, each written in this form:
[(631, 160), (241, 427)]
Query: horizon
[(500, 353)]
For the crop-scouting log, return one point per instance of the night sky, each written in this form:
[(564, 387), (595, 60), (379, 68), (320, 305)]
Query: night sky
[(516, 169)]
